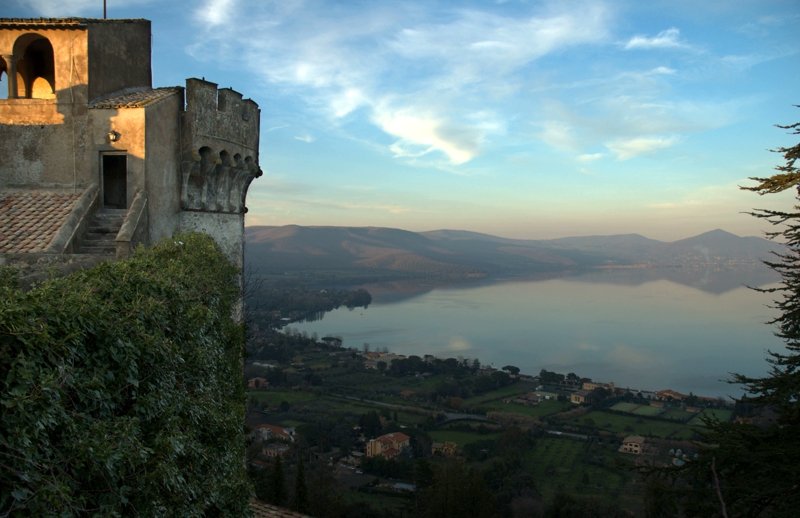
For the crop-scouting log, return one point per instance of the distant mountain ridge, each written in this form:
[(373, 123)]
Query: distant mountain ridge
[(464, 254)]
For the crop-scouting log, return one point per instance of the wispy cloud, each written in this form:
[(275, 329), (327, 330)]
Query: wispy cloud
[(421, 133), (668, 39), (558, 134), (630, 148), (308, 139), (590, 157), (215, 12), (417, 81)]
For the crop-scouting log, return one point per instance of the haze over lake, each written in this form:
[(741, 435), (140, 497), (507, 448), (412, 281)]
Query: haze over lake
[(609, 326)]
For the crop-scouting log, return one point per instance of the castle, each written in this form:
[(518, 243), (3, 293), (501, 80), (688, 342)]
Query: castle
[(94, 160)]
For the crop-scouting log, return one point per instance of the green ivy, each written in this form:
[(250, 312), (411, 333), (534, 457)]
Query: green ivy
[(121, 389)]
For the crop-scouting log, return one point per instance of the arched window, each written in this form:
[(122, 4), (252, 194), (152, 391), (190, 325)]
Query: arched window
[(36, 77), (4, 93)]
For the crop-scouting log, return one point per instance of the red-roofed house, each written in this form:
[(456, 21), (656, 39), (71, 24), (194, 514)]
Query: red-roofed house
[(388, 446), (266, 432)]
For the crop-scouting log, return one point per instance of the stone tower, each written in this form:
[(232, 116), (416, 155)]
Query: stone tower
[(96, 161)]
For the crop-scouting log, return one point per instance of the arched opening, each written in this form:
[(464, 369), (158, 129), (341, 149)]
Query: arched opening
[(4, 93), (35, 67)]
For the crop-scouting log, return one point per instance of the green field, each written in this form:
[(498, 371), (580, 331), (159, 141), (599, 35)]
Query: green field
[(623, 424), (543, 409), (576, 467), (648, 411), (628, 408), (722, 414), (503, 393), (637, 409), (677, 414)]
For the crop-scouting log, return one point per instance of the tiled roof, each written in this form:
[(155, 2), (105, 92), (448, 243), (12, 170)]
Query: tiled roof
[(58, 23), (30, 219), (134, 98), (262, 510)]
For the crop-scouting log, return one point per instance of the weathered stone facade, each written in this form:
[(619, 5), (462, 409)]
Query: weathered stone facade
[(81, 123)]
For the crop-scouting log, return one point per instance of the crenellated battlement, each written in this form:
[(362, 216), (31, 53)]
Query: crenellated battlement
[(219, 148), (225, 106)]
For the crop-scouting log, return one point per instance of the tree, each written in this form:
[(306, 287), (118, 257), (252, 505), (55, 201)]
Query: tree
[(511, 369), (370, 424), (752, 469), (277, 487), (456, 490), (300, 503)]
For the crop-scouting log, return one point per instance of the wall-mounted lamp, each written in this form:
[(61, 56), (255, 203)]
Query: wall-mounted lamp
[(114, 136)]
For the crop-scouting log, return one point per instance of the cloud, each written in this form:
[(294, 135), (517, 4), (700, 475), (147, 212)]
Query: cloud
[(559, 135), (663, 71), (215, 12), (308, 139), (590, 157), (434, 86), (420, 134), (668, 39), (478, 41), (629, 148)]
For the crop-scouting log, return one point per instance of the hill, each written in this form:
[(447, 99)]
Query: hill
[(462, 254)]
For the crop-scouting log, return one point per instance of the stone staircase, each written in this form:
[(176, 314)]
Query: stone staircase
[(101, 232)]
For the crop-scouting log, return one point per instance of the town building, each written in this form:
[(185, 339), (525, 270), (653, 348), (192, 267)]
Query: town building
[(96, 161), (670, 395), (591, 385), (276, 449), (266, 432), (633, 444), (257, 383), (388, 446), (445, 449), (580, 397)]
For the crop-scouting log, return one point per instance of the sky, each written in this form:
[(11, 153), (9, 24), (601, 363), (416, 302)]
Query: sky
[(525, 119)]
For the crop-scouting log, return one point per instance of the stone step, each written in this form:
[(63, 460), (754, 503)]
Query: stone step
[(104, 239), (103, 228), (101, 232)]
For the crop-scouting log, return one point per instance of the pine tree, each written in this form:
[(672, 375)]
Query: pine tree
[(754, 469)]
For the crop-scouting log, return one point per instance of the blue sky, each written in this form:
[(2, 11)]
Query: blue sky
[(528, 119)]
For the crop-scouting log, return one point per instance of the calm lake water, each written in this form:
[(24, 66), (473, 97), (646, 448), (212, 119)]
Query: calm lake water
[(640, 333)]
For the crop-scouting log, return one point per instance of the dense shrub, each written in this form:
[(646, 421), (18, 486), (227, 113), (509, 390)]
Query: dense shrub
[(121, 389)]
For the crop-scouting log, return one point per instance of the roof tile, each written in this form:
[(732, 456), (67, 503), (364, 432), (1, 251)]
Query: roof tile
[(134, 98), (30, 219)]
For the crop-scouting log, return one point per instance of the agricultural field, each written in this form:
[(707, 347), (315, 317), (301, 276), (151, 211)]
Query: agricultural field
[(623, 424), (628, 408), (578, 467), (722, 414), (521, 387), (543, 409)]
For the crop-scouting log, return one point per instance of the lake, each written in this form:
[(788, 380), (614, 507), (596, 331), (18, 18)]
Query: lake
[(635, 329)]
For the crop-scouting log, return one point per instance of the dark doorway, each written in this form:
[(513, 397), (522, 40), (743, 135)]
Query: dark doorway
[(115, 181)]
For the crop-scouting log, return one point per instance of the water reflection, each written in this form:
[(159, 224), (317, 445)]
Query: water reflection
[(647, 334)]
